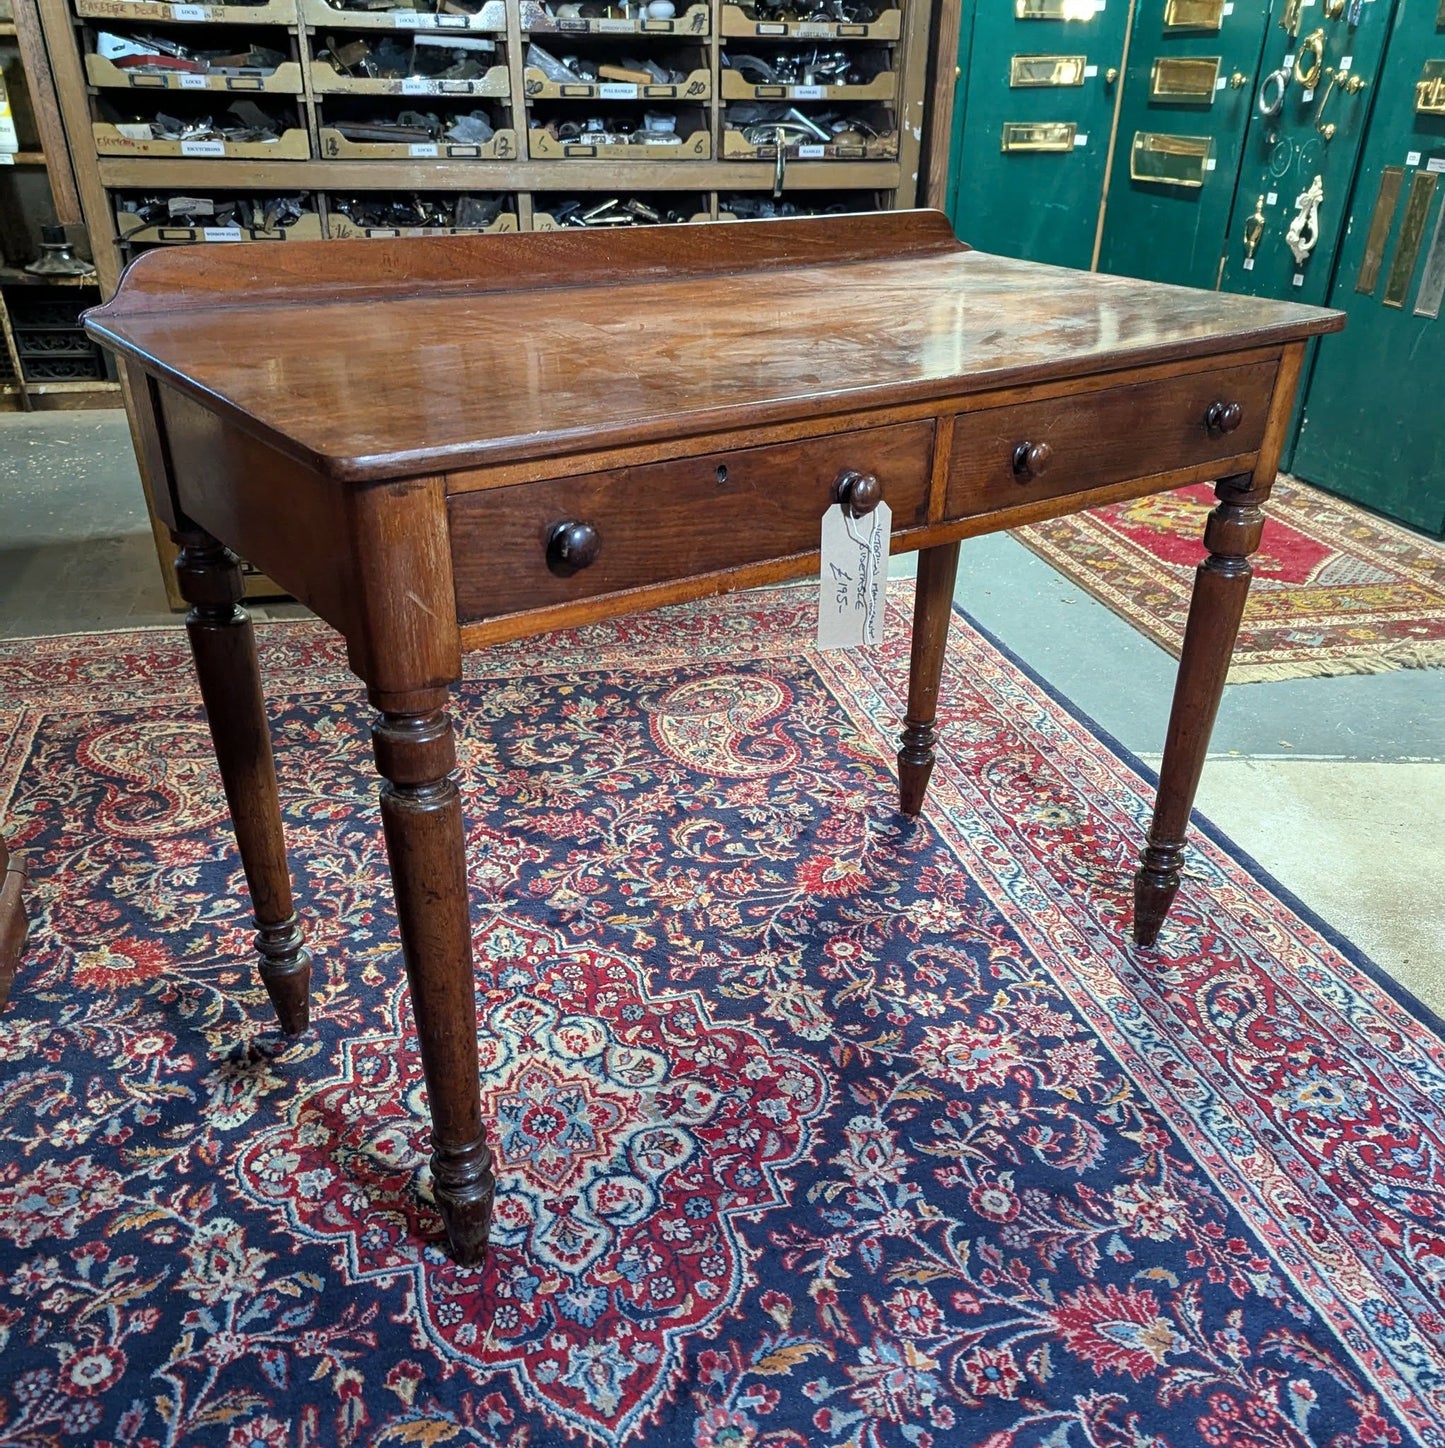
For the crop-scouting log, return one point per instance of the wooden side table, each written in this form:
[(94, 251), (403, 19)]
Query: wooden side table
[(483, 438)]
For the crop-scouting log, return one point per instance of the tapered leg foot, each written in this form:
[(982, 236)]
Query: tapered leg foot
[(1220, 588), (932, 610), (421, 814), (224, 648)]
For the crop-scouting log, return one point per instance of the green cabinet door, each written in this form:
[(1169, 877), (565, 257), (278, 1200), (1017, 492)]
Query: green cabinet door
[(1320, 71), (1038, 104), (1190, 83), (1374, 424)]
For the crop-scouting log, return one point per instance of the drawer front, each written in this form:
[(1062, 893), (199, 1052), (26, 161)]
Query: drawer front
[(665, 521), (1097, 438)]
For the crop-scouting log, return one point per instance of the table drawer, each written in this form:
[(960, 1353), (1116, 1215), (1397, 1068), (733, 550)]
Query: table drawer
[(663, 521), (1110, 436)]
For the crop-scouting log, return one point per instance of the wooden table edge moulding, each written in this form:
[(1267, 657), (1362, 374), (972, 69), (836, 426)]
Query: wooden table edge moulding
[(470, 439)]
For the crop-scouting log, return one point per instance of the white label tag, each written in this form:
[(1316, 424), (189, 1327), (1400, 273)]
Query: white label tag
[(1272, 199), (1436, 164), (188, 12), (7, 158), (221, 233), (1345, 62), (406, 19), (1210, 164), (1090, 71), (1412, 158), (807, 92), (1098, 7), (617, 91), (1229, 7), (417, 86), (811, 153), (854, 577), (1249, 263), (1080, 140), (1287, 62), (203, 148), (191, 82), (1308, 94), (1297, 280), (1221, 83), (422, 148)]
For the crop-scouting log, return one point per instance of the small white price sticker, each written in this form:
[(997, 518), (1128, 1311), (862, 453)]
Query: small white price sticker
[(1435, 164), (203, 148), (617, 91), (811, 153), (7, 158), (807, 92), (1345, 62), (1297, 280), (415, 85), (1272, 199), (1210, 164), (1080, 140), (1287, 62), (1221, 82), (1090, 71), (422, 148), (191, 82), (406, 19), (188, 12), (1229, 7), (1308, 94), (1412, 158), (854, 577), (221, 233), (1249, 263)]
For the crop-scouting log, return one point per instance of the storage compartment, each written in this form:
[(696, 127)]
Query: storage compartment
[(813, 72), (181, 124), (484, 15), (613, 72), (426, 63), (540, 17), (558, 213), (169, 218), (385, 213), (753, 130), (176, 57), (450, 128), (753, 205), (865, 22), (558, 132)]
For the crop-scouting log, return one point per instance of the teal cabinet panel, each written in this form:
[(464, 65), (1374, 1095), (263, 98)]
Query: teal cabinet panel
[(1183, 115), (1373, 428), (1313, 134), (1038, 106)]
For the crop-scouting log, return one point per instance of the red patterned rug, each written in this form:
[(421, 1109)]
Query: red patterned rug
[(1336, 590), (817, 1126)]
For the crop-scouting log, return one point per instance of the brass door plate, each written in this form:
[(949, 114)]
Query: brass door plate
[(1381, 220), (1430, 89), (1026, 71), (1056, 9), (1195, 14), (1412, 233), (1432, 283), (1039, 135), (1184, 80), (1169, 160)]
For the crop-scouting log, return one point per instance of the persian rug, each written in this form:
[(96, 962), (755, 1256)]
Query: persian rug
[(816, 1125), (1336, 590)]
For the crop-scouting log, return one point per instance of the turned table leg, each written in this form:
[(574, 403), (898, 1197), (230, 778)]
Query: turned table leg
[(224, 648), (1220, 588), (421, 813), (932, 610)]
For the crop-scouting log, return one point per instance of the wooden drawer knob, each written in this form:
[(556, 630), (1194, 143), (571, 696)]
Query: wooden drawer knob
[(571, 546), (859, 493), (1223, 417), (1031, 460)]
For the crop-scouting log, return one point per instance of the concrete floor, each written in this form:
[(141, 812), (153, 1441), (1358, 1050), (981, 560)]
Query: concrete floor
[(1335, 786)]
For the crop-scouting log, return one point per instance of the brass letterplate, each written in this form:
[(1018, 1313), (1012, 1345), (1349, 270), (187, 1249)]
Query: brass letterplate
[(1430, 89), (1184, 80), (1169, 160), (1412, 233), (1039, 135), (1194, 14), (1056, 9), (1041, 70), (1381, 219)]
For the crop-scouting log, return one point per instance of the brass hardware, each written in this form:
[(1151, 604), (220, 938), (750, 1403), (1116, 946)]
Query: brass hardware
[(1379, 233), (1238, 80), (1430, 89), (1312, 45), (1038, 135), (1304, 230), (1053, 9), (1412, 232), (1184, 80), (1046, 70), (1432, 284), (1193, 14), (1254, 229), (1169, 160), (1112, 74), (1289, 22), (1334, 9), (1341, 80)]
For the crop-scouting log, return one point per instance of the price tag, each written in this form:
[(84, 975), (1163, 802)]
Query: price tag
[(422, 148), (626, 26), (1249, 263), (1229, 7), (1287, 62), (1220, 84), (1297, 280), (1090, 71), (807, 92), (188, 12), (1412, 158), (1308, 94), (7, 158), (1345, 62), (1435, 164), (203, 148), (855, 577), (221, 233), (191, 82), (1210, 164), (1272, 199), (406, 19), (1080, 140), (811, 153), (415, 85), (617, 91), (1098, 7)]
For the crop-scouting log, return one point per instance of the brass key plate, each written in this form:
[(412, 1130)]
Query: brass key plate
[(1195, 14), (1168, 160), (1039, 135), (1053, 9), (1184, 80), (1046, 70)]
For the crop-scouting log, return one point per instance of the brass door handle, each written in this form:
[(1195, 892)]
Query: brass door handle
[(1238, 80), (1313, 45), (1254, 229)]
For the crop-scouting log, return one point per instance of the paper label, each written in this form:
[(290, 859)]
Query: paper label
[(221, 233), (203, 148), (191, 82), (1308, 94), (811, 153), (1297, 280), (1436, 164), (1090, 71), (407, 19), (7, 158), (1345, 62), (811, 30), (617, 91), (417, 86), (619, 26), (1098, 7), (1272, 199), (188, 12), (1412, 158), (1229, 7), (1287, 62), (1080, 140), (1210, 164), (1221, 83), (422, 148), (1249, 263), (807, 92), (854, 577)]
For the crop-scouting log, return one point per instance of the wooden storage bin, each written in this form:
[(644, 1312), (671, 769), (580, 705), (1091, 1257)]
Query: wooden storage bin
[(737, 22), (696, 87), (292, 145), (274, 12), (697, 207), (335, 147), (696, 20), (883, 87), (343, 228), (133, 231), (285, 80), (492, 18), (327, 80), (736, 146), (692, 127)]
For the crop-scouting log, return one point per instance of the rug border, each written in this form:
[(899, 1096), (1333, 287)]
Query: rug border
[(1400, 994)]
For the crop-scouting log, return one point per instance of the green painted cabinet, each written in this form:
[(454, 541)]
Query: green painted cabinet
[(1037, 103), (1191, 80), (1373, 410)]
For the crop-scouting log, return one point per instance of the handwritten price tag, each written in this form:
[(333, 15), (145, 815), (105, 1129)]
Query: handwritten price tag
[(854, 578)]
